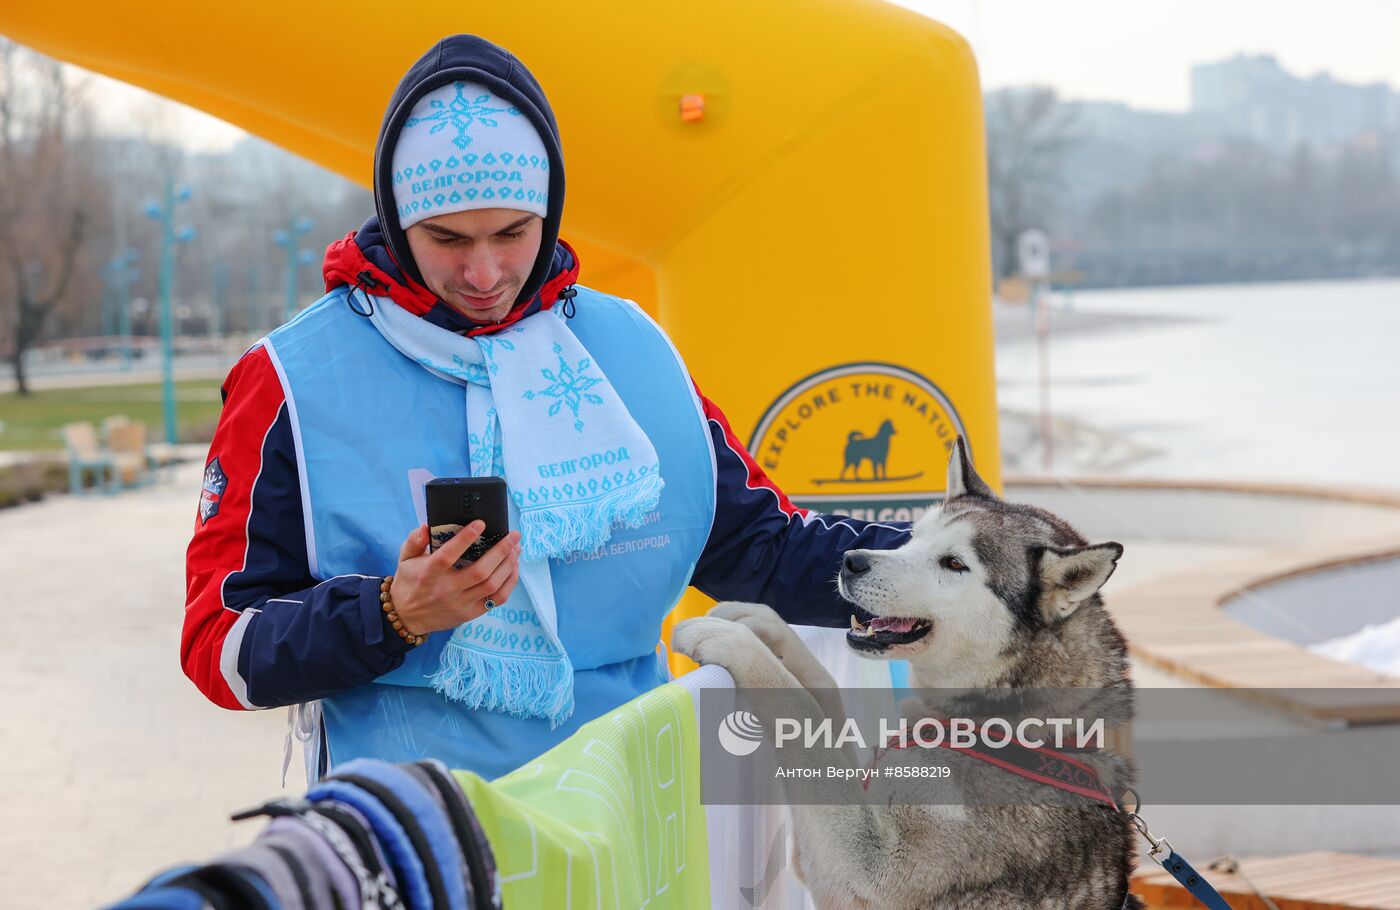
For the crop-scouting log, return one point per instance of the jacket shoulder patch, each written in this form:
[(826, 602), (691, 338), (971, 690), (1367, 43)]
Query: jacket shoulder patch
[(215, 482)]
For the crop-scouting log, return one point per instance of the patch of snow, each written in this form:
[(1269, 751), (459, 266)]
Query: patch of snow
[(1376, 647)]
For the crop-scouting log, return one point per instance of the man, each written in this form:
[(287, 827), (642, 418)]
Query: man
[(455, 341)]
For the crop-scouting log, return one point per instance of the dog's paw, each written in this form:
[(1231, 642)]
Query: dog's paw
[(765, 622), (736, 611), (711, 640)]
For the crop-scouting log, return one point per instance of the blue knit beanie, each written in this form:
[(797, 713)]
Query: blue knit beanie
[(464, 148)]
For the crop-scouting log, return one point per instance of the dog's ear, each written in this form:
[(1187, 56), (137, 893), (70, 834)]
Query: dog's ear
[(1070, 577), (962, 477)]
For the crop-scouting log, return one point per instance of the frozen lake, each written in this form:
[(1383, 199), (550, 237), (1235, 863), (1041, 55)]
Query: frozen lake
[(1264, 382)]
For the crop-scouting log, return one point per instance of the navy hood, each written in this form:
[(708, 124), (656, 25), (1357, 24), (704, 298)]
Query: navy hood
[(361, 259), (468, 58)]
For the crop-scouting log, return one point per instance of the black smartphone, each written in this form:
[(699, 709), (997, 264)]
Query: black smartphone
[(454, 502)]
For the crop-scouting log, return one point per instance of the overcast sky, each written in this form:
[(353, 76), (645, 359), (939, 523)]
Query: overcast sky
[(1141, 51), (1138, 51)]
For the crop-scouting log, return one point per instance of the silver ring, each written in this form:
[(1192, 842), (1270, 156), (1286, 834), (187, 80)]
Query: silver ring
[(490, 605)]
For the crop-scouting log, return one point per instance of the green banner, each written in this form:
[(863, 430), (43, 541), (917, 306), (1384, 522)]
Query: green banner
[(611, 817)]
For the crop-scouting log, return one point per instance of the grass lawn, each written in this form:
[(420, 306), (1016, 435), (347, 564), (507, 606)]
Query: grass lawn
[(34, 421)]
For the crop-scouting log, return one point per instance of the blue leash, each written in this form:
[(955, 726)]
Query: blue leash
[(1185, 873), (1193, 882)]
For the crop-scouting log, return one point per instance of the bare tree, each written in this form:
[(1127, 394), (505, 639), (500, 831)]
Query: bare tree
[(46, 195), (1028, 135), (72, 198)]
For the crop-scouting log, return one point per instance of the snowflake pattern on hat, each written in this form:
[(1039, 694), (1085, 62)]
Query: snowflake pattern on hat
[(461, 114), (435, 174)]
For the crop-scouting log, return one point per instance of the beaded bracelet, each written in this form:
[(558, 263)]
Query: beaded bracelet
[(393, 615)]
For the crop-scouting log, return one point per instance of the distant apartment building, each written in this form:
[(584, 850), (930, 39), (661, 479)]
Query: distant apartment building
[(1256, 97), (1267, 176)]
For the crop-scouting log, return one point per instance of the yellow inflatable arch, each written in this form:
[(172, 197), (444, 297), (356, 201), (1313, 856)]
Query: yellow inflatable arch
[(795, 188)]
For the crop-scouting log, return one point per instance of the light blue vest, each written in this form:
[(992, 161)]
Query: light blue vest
[(364, 416)]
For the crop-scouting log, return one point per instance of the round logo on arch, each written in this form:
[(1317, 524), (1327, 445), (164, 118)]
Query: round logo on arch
[(869, 440)]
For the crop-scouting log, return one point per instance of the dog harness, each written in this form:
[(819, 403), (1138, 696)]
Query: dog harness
[(1055, 769), (1036, 763)]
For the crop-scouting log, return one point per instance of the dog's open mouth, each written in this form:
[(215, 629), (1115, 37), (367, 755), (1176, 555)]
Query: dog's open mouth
[(869, 632)]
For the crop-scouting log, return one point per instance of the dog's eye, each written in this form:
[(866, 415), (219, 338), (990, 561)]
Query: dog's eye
[(953, 564)]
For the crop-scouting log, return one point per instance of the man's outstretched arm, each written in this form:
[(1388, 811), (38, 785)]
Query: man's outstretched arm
[(764, 549)]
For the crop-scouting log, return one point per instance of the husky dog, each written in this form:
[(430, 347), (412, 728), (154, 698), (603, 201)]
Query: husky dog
[(988, 595)]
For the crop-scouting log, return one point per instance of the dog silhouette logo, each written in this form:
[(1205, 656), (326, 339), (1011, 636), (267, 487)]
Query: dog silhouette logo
[(874, 449), (890, 427)]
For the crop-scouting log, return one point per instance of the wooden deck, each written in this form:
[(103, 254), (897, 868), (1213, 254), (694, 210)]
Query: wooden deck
[(1308, 881), (1176, 624)]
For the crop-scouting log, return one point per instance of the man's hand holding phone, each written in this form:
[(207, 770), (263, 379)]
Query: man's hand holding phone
[(431, 595)]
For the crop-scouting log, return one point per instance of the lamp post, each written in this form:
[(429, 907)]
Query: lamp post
[(218, 322), (169, 236), (290, 240), (257, 307), (120, 273)]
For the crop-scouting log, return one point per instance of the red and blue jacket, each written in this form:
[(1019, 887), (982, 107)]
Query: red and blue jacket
[(261, 631)]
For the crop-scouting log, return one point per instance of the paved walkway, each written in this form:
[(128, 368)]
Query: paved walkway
[(112, 765), (210, 366)]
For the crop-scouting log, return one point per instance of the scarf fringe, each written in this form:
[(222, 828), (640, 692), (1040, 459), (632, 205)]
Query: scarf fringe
[(582, 528), (523, 687)]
